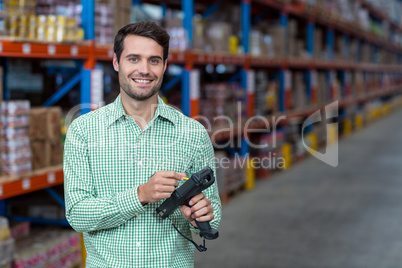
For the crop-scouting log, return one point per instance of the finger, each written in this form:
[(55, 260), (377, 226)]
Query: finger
[(208, 217), (172, 174), (161, 180), (201, 212), (182, 175), (186, 211), (196, 198), (199, 205), (165, 188)]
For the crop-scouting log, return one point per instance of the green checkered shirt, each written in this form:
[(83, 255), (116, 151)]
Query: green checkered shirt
[(106, 157)]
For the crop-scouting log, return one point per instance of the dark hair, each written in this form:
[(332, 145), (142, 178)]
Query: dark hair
[(147, 29)]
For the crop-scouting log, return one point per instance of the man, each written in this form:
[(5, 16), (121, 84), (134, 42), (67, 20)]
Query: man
[(123, 160)]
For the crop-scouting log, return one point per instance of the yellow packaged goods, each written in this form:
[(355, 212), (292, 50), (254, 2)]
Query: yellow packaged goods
[(32, 27), (61, 21), (40, 34), (60, 34), (23, 27), (4, 229), (51, 21), (50, 34), (41, 21), (13, 25), (79, 35), (71, 23)]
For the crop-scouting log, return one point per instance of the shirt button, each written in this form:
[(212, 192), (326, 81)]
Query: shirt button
[(140, 136), (139, 163), (138, 244)]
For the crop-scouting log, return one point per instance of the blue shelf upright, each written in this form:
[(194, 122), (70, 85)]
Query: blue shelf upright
[(186, 98), (245, 72), (88, 24)]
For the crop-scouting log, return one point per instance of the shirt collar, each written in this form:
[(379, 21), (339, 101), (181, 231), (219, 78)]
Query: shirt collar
[(163, 110)]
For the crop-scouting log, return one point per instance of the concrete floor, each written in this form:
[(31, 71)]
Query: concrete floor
[(317, 216)]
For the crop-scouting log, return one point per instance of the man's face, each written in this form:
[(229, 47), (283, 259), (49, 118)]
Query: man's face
[(141, 67)]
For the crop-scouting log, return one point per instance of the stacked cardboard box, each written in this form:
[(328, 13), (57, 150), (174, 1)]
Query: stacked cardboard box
[(178, 35), (45, 135), (268, 152), (266, 95), (279, 40), (104, 21), (233, 172), (322, 89), (218, 34), (221, 103), (298, 96), (318, 43), (220, 157), (15, 148), (121, 12)]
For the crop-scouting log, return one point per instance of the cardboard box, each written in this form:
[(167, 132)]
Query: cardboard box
[(37, 120), (218, 34), (45, 123), (40, 154), (46, 153)]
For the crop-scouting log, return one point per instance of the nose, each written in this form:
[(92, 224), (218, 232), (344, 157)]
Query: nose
[(143, 68)]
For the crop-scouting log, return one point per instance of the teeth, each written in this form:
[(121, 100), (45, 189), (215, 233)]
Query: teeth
[(142, 81)]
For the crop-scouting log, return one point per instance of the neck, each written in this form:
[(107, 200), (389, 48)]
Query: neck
[(141, 111)]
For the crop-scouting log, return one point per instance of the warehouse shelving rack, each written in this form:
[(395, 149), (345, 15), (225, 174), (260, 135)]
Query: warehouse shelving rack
[(89, 53), (85, 52)]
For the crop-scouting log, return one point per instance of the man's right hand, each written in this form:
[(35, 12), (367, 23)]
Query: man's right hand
[(160, 186)]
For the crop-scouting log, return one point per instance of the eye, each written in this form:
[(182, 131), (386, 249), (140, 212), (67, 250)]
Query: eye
[(133, 59), (154, 61)]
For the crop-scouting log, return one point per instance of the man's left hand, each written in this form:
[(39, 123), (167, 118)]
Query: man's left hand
[(200, 209)]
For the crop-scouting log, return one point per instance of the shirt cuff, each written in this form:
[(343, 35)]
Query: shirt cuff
[(129, 203)]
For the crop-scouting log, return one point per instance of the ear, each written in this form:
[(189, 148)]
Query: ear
[(115, 63), (164, 67)]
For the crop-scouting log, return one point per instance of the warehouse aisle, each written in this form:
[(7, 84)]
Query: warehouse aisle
[(318, 216)]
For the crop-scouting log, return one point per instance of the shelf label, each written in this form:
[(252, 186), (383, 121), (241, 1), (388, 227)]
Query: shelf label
[(1, 47), (195, 84), (1, 190), (26, 48), (51, 49), (74, 50), (110, 53), (51, 177), (26, 183), (250, 81), (97, 88)]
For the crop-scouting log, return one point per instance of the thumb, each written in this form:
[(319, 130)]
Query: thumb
[(185, 210), (182, 174)]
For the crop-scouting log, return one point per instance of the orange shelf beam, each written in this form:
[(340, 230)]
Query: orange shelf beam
[(37, 181), (43, 50)]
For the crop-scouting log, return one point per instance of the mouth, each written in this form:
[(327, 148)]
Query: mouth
[(142, 81)]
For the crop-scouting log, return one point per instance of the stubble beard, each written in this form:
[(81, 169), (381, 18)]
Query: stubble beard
[(128, 89)]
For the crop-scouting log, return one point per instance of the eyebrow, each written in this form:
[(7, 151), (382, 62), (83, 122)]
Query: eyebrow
[(139, 56)]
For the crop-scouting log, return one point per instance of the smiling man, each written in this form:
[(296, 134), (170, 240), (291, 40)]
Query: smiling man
[(123, 160)]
